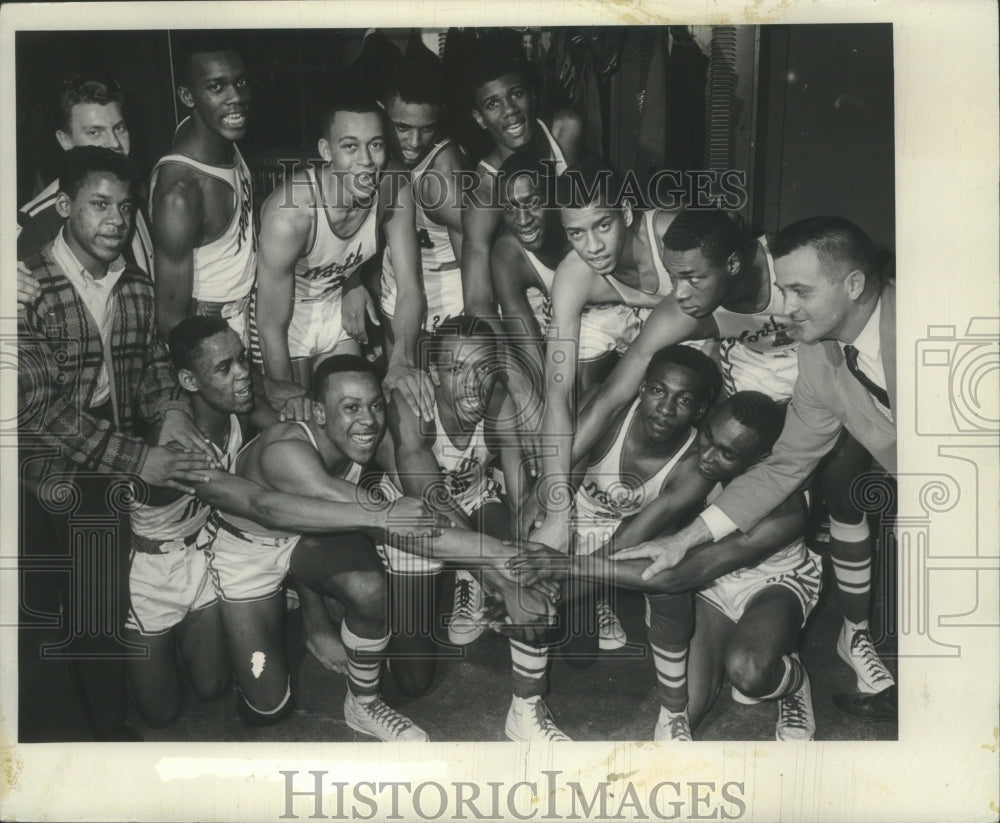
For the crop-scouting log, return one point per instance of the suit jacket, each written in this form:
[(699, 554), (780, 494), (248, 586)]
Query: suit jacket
[(826, 398)]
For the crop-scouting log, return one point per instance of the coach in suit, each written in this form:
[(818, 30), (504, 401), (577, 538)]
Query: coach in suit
[(843, 312)]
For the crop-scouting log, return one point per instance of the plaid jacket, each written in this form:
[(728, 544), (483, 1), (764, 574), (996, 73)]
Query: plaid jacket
[(60, 355)]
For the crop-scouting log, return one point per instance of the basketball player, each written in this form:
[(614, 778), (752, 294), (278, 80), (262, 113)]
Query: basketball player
[(321, 458), (615, 258), (174, 608), (728, 290), (523, 260), (413, 99), (451, 463), (641, 478), (201, 199), (317, 231), (504, 106), (88, 112), (754, 591)]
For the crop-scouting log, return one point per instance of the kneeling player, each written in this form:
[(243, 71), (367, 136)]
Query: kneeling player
[(755, 591), (321, 459), (174, 609), (641, 478)]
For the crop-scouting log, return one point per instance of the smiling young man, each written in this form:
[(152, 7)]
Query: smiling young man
[(173, 606), (201, 198), (317, 232), (842, 313), (727, 289), (248, 560), (615, 258), (322, 459), (413, 99), (86, 405), (524, 258), (503, 105), (89, 112)]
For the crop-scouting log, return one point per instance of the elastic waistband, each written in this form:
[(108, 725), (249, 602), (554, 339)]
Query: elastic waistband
[(206, 308), (147, 545), (220, 522)]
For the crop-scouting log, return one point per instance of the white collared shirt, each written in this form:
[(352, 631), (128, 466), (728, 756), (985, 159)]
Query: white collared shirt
[(869, 346), (95, 294)]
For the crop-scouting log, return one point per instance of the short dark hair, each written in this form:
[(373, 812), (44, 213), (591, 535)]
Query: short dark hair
[(185, 339), (711, 231), (492, 63), (587, 183), (693, 359), (413, 80), (339, 364), (77, 90), (529, 161), (763, 415), (460, 326), (81, 161), (836, 240), (203, 41), (347, 101)]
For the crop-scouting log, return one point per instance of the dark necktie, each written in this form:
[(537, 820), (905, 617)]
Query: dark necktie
[(880, 394)]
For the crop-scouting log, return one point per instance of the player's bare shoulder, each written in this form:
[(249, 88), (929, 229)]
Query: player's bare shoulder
[(395, 190), (179, 192), (293, 201), (567, 129)]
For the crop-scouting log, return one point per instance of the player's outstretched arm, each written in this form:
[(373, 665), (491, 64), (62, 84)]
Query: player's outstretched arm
[(312, 515), (440, 195), (552, 494), (417, 468)]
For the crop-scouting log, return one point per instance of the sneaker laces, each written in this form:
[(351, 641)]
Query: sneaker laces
[(794, 711), (545, 722), (463, 598), (386, 716), (606, 619), (678, 726), (862, 647)]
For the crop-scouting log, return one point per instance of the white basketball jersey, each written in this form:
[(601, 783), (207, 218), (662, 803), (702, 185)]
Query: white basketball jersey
[(557, 155), (467, 474), (540, 301), (184, 516), (440, 269), (755, 352), (224, 269), (332, 259), (640, 298), (605, 497)]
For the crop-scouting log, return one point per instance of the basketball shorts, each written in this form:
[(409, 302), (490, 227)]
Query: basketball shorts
[(604, 328), (443, 290), (316, 328), (236, 313), (733, 592), (244, 566), (164, 588)]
